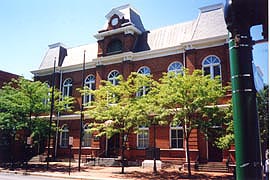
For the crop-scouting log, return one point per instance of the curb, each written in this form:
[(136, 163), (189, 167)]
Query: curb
[(55, 175)]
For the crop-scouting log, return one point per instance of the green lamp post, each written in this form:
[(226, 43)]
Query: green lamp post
[(240, 16)]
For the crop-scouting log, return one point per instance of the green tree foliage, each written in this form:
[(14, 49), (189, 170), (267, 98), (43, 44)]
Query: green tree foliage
[(227, 139), (21, 103), (191, 100), (263, 115), (116, 109)]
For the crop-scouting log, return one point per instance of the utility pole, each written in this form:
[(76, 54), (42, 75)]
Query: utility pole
[(240, 16)]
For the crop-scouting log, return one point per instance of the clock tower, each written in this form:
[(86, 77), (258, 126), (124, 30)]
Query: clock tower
[(121, 32)]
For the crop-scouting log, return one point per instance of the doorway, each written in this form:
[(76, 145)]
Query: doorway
[(214, 153), (113, 146)]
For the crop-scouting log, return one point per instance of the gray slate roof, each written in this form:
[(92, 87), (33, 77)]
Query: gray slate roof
[(209, 24)]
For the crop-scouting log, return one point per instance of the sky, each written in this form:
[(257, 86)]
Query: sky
[(28, 27)]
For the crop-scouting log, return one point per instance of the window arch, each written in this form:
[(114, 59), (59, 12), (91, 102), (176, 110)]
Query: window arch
[(87, 136), (64, 136), (176, 136), (112, 77), (144, 70), (89, 82), (144, 89), (114, 46), (176, 67), (211, 66), (67, 87)]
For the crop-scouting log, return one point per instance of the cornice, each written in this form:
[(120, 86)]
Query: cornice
[(137, 56), (127, 30)]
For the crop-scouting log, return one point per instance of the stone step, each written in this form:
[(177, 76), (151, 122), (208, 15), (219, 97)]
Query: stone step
[(212, 167), (104, 162)]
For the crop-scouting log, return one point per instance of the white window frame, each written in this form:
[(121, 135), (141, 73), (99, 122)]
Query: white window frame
[(145, 140), (67, 85), (212, 64), (176, 128), (90, 83), (64, 130), (112, 77), (145, 71), (173, 67), (87, 137)]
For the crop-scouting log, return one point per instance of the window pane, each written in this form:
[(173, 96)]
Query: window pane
[(174, 143), (173, 133), (114, 46), (206, 70), (216, 71), (180, 133)]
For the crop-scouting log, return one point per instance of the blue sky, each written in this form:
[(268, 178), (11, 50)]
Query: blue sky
[(28, 27)]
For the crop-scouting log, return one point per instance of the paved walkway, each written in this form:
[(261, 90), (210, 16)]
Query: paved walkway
[(57, 169)]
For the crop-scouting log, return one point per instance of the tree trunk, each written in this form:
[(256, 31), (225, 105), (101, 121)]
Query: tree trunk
[(188, 156), (122, 154)]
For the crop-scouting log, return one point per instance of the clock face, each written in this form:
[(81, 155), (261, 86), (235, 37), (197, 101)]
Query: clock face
[(114, 21)]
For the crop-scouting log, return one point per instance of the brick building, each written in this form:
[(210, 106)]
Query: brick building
[(5, 77), (125, 46)]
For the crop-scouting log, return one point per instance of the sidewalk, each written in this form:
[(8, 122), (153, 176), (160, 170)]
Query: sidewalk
[(60, 170)]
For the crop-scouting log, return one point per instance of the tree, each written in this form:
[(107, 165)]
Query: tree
[(263, 115), (227, 139), (21, 102), (191, 100), (116, 109)]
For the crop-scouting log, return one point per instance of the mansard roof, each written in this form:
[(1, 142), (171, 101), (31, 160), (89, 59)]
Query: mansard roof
[(208, 27)]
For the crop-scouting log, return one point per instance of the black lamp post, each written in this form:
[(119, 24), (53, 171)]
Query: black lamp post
[(51, 114), (154, 148), (82, 115), (155, 154)]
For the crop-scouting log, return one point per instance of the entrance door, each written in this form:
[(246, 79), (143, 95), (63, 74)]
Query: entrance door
[(214, 153), (113, 146)]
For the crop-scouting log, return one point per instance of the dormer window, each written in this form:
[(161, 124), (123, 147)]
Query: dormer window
[(115, 46)]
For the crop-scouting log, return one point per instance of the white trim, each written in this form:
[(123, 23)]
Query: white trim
[(143, 55), (181, 69), (127, 30), (170, 136), (61, 134), (212, 65), (212, 7), (142, 129)]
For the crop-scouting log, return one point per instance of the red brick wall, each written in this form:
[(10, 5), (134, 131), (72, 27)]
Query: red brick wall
[(157, 66)]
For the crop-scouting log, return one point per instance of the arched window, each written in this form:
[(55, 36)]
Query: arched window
[(67, 87), (176, 136), (87, 136), (211, 66), (115, 46), (64, 136), (144, 70), (112, 77), (144, 89), (143, 137), (91, 84), (175, 67)]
